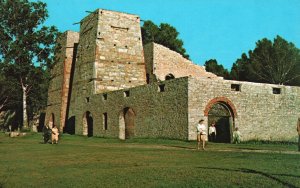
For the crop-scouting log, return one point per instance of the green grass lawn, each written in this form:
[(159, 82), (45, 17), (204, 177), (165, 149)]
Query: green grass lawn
[(79, 161)]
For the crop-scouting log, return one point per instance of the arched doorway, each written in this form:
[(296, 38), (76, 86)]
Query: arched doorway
[(70, 125), (126, 123), (221, 111), (87, 128), (51, 120)]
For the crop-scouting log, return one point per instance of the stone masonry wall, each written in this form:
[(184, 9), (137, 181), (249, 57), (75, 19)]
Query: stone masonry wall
[(85, 59), (158, 114), (260, 113), (59, 85), (109, 57), (148, 54), (71, 48), (161, 61), (119, 60)]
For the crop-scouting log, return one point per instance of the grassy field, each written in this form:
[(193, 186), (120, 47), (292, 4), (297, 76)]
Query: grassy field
[(97, 162)]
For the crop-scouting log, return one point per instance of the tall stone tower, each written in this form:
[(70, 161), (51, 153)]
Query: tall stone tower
[(110, 53), (59, 87)]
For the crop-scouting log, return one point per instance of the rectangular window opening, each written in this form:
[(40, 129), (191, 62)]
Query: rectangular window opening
[(105, 121), (87, 99), (120, 28), (104, 96), (235, 87), (276, 90), (147, 78)]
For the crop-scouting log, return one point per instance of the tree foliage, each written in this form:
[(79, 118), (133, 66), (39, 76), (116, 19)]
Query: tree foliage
[(240, 69), (164, 34), (213, 66), (9, 93), (276, 62), (26, 51)]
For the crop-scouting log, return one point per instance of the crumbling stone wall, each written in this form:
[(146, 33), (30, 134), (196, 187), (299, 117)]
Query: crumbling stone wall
[(158, 114), (58, 91), (259, 113), (161, 61)]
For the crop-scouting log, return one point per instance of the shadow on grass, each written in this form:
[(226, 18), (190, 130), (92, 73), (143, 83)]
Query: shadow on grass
[(250, 171), (260, 142), (254, 149), (181, 147)]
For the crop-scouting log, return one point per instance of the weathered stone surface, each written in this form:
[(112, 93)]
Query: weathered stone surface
[(110, 53), (58, 91), (257, 112), (157, 114), (161, 61)]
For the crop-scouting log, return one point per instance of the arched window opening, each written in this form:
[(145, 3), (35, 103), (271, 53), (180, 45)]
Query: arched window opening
[(87, 128), (169, 77), (127, 123)]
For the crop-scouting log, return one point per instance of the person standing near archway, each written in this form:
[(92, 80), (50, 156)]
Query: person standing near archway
[(298, 130), (54, 136), (212, 133), (201, 134)]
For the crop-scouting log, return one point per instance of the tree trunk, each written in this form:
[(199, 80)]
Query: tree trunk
[(3, 104), (25, 118)]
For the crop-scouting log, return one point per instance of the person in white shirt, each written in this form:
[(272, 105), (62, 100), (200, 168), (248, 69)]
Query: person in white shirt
[(212, 133), (201, 134), (236, 136)]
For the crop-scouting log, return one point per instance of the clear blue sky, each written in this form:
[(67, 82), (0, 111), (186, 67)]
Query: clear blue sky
[(210, 29)]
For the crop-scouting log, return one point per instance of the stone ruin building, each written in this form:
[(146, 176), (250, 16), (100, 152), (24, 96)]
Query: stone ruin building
[(107, 84)]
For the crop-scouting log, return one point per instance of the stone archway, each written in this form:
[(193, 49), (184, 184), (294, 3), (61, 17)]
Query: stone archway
[(126, 123), (70, 125), (51, 120), (221, 111), (87, 124)]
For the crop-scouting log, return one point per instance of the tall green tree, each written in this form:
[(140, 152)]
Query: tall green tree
[(8, 93), (4, 92), (240, 69), (26, 46), (275, 62), (10, 101), (164, 34), (213, 66)]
